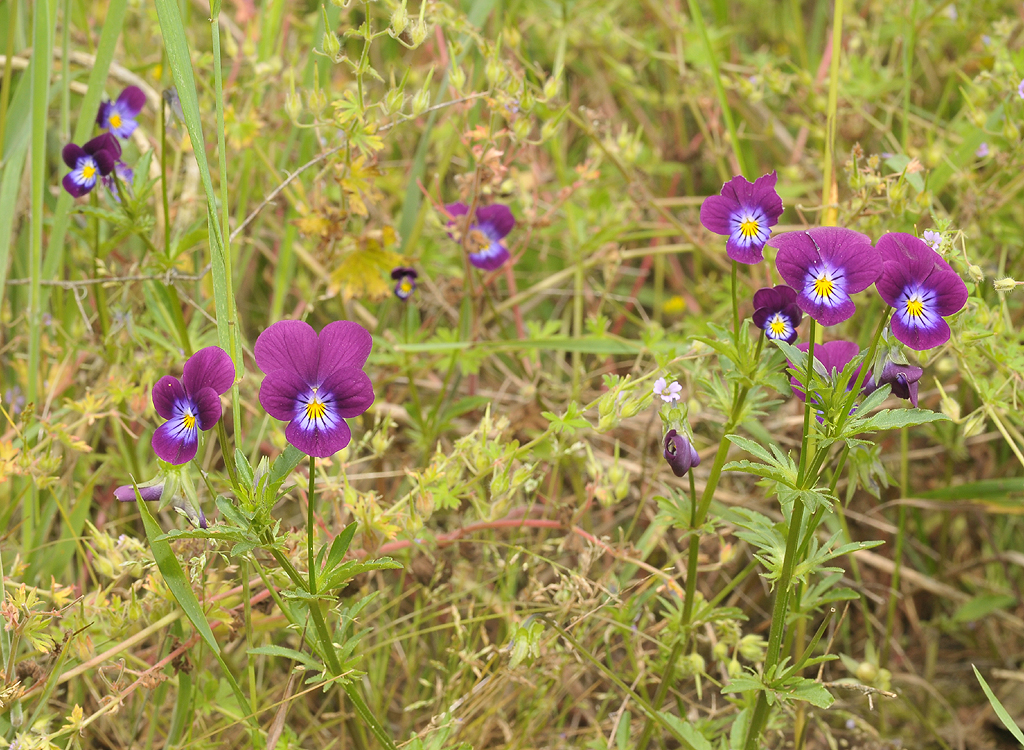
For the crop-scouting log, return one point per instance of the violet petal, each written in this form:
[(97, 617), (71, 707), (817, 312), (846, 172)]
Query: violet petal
[(126, 493), (289, 345), (167, 392), (132, 101), (210, 367), (174, 443), (76, 190), (350, 389), (71, 153), (343, 344), (318, 442), (207, 407), (498, 217), (280, 392)]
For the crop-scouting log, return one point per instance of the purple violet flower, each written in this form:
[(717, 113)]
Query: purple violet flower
[(902, 379), (190, 404), (119, 115), (745, 213), (153, 491), (679, 453), (921, 287), (406, 282), (314, 383), (486, 232), (833, 356), (89, 162), (982, 151), (777, 313), (825, 266)]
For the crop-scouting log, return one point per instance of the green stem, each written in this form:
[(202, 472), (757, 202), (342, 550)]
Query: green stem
[(808, 397), (735, 304), (901, 525), (691, 563), (163, 180), (311, 503)]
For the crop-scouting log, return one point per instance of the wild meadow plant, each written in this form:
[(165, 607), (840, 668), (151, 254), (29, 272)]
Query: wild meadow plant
[(499, 401)]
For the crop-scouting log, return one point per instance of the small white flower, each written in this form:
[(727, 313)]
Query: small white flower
[(932, 238), (669, 392)]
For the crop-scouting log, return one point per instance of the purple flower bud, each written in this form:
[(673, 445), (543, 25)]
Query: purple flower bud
[(902, 379), (680, 455)]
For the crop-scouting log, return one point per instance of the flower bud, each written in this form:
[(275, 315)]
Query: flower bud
[(680, 455), (420, 102), (866, 672), (975, 272), (975, 424), (521, 128), (548, 131), (550, 87), (418, 33), (331, 44), (293, 105), (696, 663), (317, 101), (494, 71), (457, 77), (1005, 285), (394, 100), (1010, 131), (752, 647), (735, 669), (399, 20), (720, 651)]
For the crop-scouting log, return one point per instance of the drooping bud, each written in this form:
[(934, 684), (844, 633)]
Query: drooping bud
[(680, 455)]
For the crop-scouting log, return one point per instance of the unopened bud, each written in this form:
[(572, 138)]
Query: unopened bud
[(394, 100), (457, 77), (866, 672), (399, 20), (317, 101), (521, 128), (735, 669), (551, 88), (494, 71), (549, 129), (418, 33), (1005, 285), (696, 663), (752, 647), (975, 272), (1010, 131), (293, 105), (332, 45), (975, 424), (720, 651), (420, 102)]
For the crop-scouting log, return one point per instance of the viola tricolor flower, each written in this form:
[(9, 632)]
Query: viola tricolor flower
[(902, 379), (777, 313), (89, 162), (833, 356), (825, 266), (119, 115), (922, 288), (315, 382), (670, 392), (485, 230), (190, 404), (406, 282), (745, 213), (679, 453)]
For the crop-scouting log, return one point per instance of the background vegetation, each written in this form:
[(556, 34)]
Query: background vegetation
[(537, 527)]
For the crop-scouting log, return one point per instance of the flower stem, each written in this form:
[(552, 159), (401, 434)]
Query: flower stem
[(691, 563), (901, 525), (735, 303), (808, 395), (311, 502), (830, 213)]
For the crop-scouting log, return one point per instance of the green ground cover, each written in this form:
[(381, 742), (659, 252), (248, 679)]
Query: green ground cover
[(518, 547)]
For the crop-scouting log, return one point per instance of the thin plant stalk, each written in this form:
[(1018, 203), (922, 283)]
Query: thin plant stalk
[(901, 527), (735, 302), (311, 503), (830, 212)]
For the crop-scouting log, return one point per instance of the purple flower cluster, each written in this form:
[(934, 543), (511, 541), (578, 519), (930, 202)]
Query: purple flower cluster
[(100, 158)]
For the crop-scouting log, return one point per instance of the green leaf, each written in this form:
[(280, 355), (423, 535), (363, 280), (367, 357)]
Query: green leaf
[(891, 419), (283, 464), (982, 606), (340, 545), (1000, 710), (809, 691), (687, 731), (244, 469), (289, 653), (181, 589)]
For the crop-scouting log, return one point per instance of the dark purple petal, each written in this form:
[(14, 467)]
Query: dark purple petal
[(71, 154), (208, 368), (903, 379), (950, 291), (401, 272), (827, 315), (498, 218), (76, 190), (763, 195), (456, 209), (105, 162), (174, 443), (851, 251), (167, 392), (289, 345), (342, 344), (207, 407), (679, 453), (101, 115), (748, 254), (280, 392), (132, 101), (126, 493), (900, 247), (776, 297), (921, 338), (797, 254), (490, 258), (716, 212), (350, 391), (834, 356), (319, 442), (103, 142)]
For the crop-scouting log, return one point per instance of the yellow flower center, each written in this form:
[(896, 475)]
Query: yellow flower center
[(315, 409), (88, 171), (778, 326), (115, 120), (477, 241), (406, 287), (749, 227), (915, 307), (189, 421), (824, 286)]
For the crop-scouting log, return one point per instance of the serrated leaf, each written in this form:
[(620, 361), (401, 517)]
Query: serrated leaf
[(809, 691), (289, 653), (687, 731), (340, 546)]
